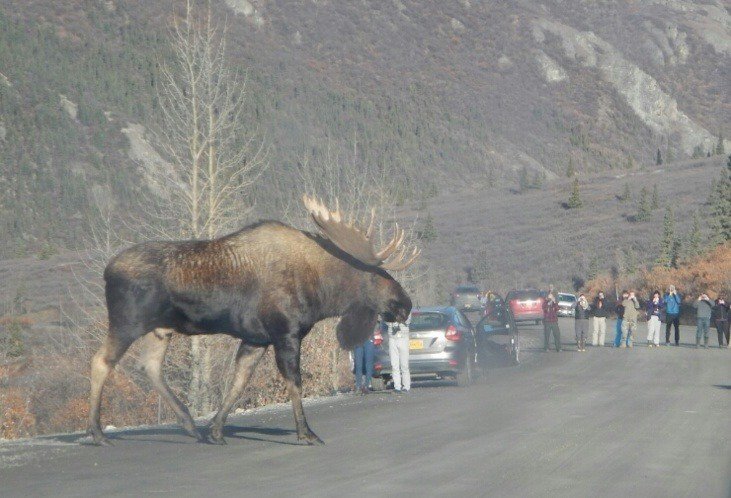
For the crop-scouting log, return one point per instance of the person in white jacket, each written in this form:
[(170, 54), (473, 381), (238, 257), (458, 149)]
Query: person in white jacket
[(398, 352)]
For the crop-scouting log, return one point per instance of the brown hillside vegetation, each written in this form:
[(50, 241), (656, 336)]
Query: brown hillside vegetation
[(709, 273)]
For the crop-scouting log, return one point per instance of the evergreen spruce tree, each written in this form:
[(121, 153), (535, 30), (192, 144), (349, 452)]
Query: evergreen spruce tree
[(626, 193), (570, 169), (719, 201), (695, 239), (631, 261), (667, 244), (575, 198), (720, 150), (428, 231), (655, 197), (538, 180), (643, 209), (481, 267), (658, 158), (523, 182)]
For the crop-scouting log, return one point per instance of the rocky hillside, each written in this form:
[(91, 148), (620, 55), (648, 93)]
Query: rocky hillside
[(438, 94)]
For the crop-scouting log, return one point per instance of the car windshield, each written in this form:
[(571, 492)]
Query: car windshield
[(427, 321), (467, 290), (524, 295), (567, 298)]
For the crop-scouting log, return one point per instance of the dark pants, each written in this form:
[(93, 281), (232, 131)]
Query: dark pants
[(704, 323), (363, 359), (672, 320), (548, 329), (722, 327), (581, 329)]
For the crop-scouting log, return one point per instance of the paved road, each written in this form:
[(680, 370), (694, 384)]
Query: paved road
[(640, 422)]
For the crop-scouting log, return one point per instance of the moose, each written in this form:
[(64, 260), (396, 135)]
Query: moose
[(266, 284)]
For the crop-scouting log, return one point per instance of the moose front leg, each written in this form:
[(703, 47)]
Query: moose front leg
[(287, 354)]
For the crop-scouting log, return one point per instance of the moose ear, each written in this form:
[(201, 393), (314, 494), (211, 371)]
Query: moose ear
[(356, 325)]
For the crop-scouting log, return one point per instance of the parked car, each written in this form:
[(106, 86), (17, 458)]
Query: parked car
[(497, 319), (497, 322), (466, 298), (566, 304), (441, 346), (525, 305)]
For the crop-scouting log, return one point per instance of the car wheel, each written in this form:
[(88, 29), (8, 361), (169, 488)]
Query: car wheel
[(378, 384), (465, 377)]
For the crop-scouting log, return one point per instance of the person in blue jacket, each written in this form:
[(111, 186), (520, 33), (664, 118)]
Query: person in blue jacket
[(673, 300)]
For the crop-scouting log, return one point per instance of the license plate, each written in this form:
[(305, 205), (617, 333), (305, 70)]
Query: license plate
[(416, 344)]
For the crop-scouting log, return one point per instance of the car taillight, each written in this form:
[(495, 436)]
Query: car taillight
[(377, 339), (453, 334), (378, 367)]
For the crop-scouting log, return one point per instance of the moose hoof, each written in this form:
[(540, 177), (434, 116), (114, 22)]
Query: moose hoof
[(98, 438), (217, 436), (311, 439)]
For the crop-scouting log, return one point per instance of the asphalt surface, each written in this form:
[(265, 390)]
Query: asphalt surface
[(607, 422)]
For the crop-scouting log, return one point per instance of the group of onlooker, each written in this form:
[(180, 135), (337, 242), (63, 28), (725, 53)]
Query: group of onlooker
[(398, 352), (659, 309)]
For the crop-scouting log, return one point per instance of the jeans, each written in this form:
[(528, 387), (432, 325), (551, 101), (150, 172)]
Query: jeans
[(600, 331), (672, 320), (722, 327), (704, 323), (618, 333), (548, 328), (653, 330), (628, 328), (363, 358), (398, 352), (581, 329)]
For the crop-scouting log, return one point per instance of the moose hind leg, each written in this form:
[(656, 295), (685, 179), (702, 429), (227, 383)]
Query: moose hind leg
[(154, 346), (247, 358), (102, 364), (287, 354)]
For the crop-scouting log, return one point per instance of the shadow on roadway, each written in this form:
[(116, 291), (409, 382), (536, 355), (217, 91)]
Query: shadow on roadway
[(155, 435), (721, 386)]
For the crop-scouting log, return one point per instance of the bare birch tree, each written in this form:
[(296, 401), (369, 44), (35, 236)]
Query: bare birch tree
[(213, 161)]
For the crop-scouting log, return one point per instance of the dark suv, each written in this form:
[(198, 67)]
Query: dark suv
[(466, 298), (441, 345)]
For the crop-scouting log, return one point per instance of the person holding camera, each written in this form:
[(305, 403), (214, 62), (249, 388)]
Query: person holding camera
[(601, 313), (673, 300), (619, 310), (629, 322), (704, 309), (655, 309), (398, 352), (550, 322), (581, 322), (721, 318)]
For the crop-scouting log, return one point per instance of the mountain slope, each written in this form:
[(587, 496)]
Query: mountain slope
[(427, 92)]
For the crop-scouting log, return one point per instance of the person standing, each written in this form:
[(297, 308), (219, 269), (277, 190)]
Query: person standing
[(581, 322), (619, 310), (550, 322), (704, 309), (363, 360), (398, 352), (629, 322), (721, 315), (655, 307), (599, 331), (673, 300)]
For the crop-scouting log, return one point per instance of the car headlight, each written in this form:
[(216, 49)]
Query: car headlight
[(507, 325)]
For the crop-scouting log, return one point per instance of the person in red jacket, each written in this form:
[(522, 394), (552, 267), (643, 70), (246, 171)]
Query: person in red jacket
[(550, 322)]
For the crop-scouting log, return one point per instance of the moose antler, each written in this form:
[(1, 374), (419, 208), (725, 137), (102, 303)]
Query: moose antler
[(351, 239)]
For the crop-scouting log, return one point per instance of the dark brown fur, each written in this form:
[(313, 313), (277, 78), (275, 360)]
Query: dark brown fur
[(267, 284)]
